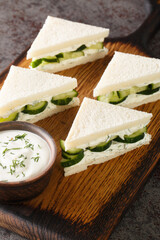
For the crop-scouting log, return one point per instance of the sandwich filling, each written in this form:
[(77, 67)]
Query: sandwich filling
[(68, 55), (107, 146), (46, 106), (135, 93)]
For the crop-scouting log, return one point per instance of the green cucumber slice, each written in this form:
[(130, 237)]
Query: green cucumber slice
[(136, 89), (113, 98), (61, 102), (36, 63), (155, 85), (64, 98), (36, 108), (100, 147), (12, 117), (48, 59), (69, 160), (134, 137), (68, 55), (102, 98), (98, 45), (123, 93), (81, 48), (72, 151), (149, 90)]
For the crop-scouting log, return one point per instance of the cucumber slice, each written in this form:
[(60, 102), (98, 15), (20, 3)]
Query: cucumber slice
[(64, 98), (81, 48), (100, 147), (136, 89), (12, 117), (69, 160), (72, 151), (98, 45), (123, 93), (61, 102), (149, 90), (134, 137), (113, 98), (48, 59), (102, 98), (36, 63), (68, 55), (36, 108), (155, 85)]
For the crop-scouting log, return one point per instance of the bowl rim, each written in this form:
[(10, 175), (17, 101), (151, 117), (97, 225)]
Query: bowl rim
[(20, 125)]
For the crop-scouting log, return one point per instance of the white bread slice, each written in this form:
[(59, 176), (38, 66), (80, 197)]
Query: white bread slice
[(98, 119), (52, 68), (127, 70), (84, 163), (58, 33), (23, 86)]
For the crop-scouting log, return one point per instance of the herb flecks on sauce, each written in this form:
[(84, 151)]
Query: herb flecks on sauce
[(21, 154)]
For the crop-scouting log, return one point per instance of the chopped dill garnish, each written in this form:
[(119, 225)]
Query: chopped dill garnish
[(29, 145), (4, 167), (21, 137), (5, 150), (15, 163), (11, 170), (21, 164), (36, 159), (8, 149)]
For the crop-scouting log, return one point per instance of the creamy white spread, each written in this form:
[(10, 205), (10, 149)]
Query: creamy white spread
[(88, 52), (27, 117), (137, 95), (68, 49), (114, 150), (108, 137), (23, 155), (136, 98)]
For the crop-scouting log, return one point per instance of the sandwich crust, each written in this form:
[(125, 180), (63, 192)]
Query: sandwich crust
[(58, 33), (24, 86), (96, 120)]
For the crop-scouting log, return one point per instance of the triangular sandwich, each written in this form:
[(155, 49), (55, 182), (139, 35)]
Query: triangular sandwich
[(100, 132), (29, 95), (63, 44), (129, 80)]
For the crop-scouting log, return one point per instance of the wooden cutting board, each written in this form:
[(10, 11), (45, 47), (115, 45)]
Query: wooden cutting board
[(88, 205)]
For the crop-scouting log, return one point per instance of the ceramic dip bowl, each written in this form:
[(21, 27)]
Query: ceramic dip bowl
[(12, 191)]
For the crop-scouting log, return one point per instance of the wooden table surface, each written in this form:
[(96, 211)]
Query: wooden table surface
[(142, 218)]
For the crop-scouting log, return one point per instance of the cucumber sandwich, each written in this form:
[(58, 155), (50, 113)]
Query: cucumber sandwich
[(63, 44), (129, 80), (29, 95), (100, 132)]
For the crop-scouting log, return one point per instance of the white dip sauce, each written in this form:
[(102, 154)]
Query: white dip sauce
[(23, 155)]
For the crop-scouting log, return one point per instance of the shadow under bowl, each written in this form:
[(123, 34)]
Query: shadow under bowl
[(11, 192)]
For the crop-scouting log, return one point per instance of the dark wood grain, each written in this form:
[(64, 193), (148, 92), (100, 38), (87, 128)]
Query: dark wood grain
[(87, 205)]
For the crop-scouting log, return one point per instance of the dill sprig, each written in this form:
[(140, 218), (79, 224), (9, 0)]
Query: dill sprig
[(17, 137)]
